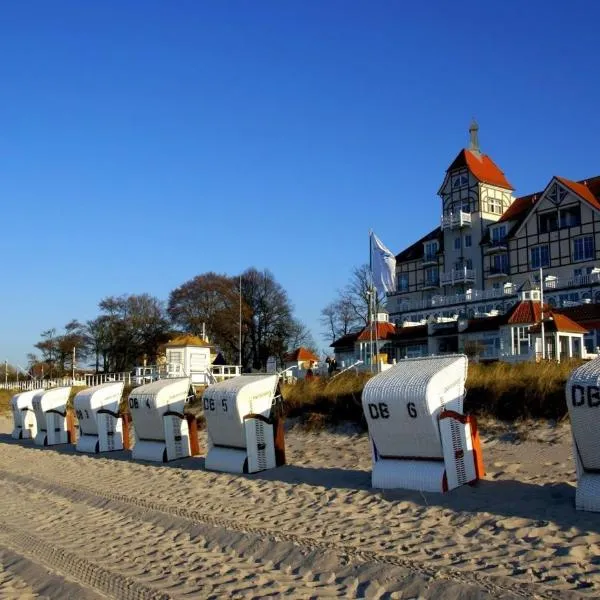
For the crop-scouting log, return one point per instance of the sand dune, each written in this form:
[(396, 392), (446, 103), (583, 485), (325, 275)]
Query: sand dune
[(104, 526)]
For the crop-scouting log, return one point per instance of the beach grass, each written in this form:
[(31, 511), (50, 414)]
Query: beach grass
[(503, 391), (5, 396), (519, 391)]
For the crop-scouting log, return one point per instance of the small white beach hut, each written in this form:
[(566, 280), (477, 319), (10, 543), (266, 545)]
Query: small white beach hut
[(55, 423), (419, 437), (25, 424), (244, 424), (162, 431), (583, 401), (101, 427)]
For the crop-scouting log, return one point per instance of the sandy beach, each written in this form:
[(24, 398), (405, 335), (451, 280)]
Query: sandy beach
[(78, 526)]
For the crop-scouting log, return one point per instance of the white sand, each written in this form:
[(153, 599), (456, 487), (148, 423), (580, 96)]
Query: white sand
[(75, 526)]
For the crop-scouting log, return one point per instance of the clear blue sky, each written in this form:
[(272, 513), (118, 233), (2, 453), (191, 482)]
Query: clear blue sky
[(145, 142)]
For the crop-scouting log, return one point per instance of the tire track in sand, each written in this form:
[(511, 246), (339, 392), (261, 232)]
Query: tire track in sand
[(191, 518)]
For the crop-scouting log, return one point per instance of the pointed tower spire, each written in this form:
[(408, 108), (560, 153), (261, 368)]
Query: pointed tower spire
[(474, 135)]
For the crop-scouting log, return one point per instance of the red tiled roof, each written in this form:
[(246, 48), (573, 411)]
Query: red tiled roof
[(563, 323), (526, 312), (482, 167), (581, 190), (519, 207), (300, 354), (593, 184), (558, 322), (381, 332), (588, 189)]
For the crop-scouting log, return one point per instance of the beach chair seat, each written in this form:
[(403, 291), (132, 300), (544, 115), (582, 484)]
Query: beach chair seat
[(162, 431), (244, 424), (55, 421), (24, 421), (101, 427), (420, 439), (583, 402)]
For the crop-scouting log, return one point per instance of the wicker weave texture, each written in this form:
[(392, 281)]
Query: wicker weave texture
[(148, 403), (582, 394), (226, 404), (88, 402), (402, 405), (44, 401), (24, 421)]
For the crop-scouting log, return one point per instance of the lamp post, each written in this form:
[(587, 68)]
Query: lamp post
[(542, 314)]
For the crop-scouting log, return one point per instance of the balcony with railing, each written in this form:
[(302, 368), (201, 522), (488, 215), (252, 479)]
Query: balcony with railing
[(496, 246), (555, 283), (498, 271), (456, 220), (507, 291), (430, 283), (457, 276)]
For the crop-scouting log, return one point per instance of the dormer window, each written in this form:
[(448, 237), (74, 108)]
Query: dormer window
[(498, 233), (459, 181), (431, 249)]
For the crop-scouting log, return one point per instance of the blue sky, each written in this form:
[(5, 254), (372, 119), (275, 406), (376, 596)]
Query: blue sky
[(145, 142)]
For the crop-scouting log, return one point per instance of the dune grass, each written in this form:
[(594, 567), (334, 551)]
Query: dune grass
[(508, 392), (321, 402), (5, 396), (521, 391), (499, 391)]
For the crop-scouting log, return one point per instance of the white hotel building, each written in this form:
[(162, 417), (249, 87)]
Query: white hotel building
[(485, 258)]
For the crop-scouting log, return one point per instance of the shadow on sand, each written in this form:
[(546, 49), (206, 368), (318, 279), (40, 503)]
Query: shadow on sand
[(500, 498)]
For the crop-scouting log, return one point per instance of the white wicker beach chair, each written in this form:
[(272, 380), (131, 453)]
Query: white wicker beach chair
[(101, 427), (55, 423), (420, 439), (245, 428), (162, 431), (583, 402), (25, 424)]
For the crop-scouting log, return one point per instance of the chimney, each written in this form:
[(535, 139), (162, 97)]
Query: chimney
[(474, 136)]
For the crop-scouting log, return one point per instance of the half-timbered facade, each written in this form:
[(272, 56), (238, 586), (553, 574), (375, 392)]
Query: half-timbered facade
[(490, 244)]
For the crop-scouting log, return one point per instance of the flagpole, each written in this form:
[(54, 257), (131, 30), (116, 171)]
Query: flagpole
[(370, 294), (240, 324), (542, 314)]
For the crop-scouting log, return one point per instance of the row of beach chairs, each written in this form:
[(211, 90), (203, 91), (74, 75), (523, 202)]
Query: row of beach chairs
[(420, 439)]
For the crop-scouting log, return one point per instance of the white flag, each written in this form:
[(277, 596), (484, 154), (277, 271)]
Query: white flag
[(383, 266)]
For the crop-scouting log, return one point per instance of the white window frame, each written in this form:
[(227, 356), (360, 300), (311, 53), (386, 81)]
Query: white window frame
[(494, 205), (539, 261), (583, 255), (428, 272), (498, 233)]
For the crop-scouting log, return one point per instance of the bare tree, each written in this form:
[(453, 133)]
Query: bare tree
[(350, 310)]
